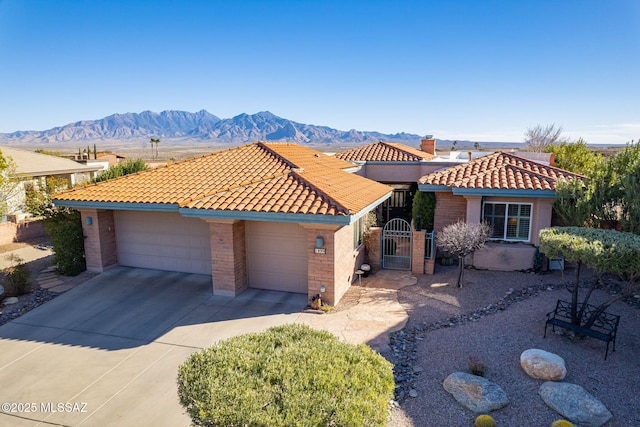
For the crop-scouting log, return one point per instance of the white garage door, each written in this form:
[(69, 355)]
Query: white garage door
[(276, 256), (163, 241)]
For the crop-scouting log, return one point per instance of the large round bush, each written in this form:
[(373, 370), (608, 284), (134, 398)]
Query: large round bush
[(289, 375)]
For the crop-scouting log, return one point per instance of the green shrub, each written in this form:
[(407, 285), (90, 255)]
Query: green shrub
[(423, 210), (289, 375), (65, 229), (121, 169), (16, 279)]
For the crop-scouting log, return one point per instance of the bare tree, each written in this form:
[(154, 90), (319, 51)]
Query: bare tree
[(539, 138), (463, 239)]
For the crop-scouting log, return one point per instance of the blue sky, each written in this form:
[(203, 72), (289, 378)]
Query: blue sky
[(478, 70)]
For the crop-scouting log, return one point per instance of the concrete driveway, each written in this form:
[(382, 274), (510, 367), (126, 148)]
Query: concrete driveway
[(106, 353)]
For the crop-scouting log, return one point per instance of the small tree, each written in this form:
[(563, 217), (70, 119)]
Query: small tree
[(9, 184), (463, 239), (576, 157), (539, 138), (38, 197), (606, 251)]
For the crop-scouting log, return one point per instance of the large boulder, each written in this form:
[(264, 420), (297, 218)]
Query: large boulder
[(574, 403), (475, 393), (542, 365)]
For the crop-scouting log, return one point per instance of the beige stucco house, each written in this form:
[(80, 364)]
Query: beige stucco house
[(514, 192), (275, 216), (32, 167)]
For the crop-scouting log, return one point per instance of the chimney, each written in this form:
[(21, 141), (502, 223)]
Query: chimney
[(428, 145), (552, 159), (470, 155)]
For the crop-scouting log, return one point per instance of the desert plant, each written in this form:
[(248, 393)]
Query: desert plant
[(538, 260), (561, 423), (607, 251), (287, 375), (477, 367), (484, 421), (16, 276)]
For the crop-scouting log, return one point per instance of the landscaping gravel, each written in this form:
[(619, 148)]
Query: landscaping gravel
[(495, 317)]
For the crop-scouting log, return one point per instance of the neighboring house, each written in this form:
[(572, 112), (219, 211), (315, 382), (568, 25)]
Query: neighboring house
[(112, 158), (276, 216), (513, 194), (34, 168)]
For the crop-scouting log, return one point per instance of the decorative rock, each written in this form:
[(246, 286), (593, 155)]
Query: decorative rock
[(542, 365), (475, 393), (10, 300), (575, 403), (413, 393)]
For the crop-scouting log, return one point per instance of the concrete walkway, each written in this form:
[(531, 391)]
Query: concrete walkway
[(111, 347), (374, 317)]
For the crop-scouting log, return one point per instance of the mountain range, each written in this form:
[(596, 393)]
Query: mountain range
[(200, 126)]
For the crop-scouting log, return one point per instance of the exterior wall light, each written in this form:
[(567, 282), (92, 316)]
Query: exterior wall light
[(88, 220), (323, 289), (319, 242)]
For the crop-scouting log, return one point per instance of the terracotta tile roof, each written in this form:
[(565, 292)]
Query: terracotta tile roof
[(384, 152), (259, 177), (499, 171)]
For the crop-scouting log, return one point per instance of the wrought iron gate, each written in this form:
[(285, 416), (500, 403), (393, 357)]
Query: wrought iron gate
[(396, 245)]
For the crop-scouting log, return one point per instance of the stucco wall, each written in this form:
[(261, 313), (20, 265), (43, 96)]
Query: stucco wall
[(11, 232), (504, 257), (398, 172)]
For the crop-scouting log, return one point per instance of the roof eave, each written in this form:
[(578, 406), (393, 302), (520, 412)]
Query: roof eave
[(431, 188), (117, 206), (504, 192)]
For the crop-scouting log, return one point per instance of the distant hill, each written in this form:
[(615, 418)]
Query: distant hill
[(200, 126)]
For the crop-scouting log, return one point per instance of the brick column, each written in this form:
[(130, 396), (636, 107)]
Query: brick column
[(99, 232), (321, 263), (417, 253), (429, 266), (228, 257), (373, 246)]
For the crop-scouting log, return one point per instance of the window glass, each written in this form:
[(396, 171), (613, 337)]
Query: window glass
[(510, 221), (357, 233)]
